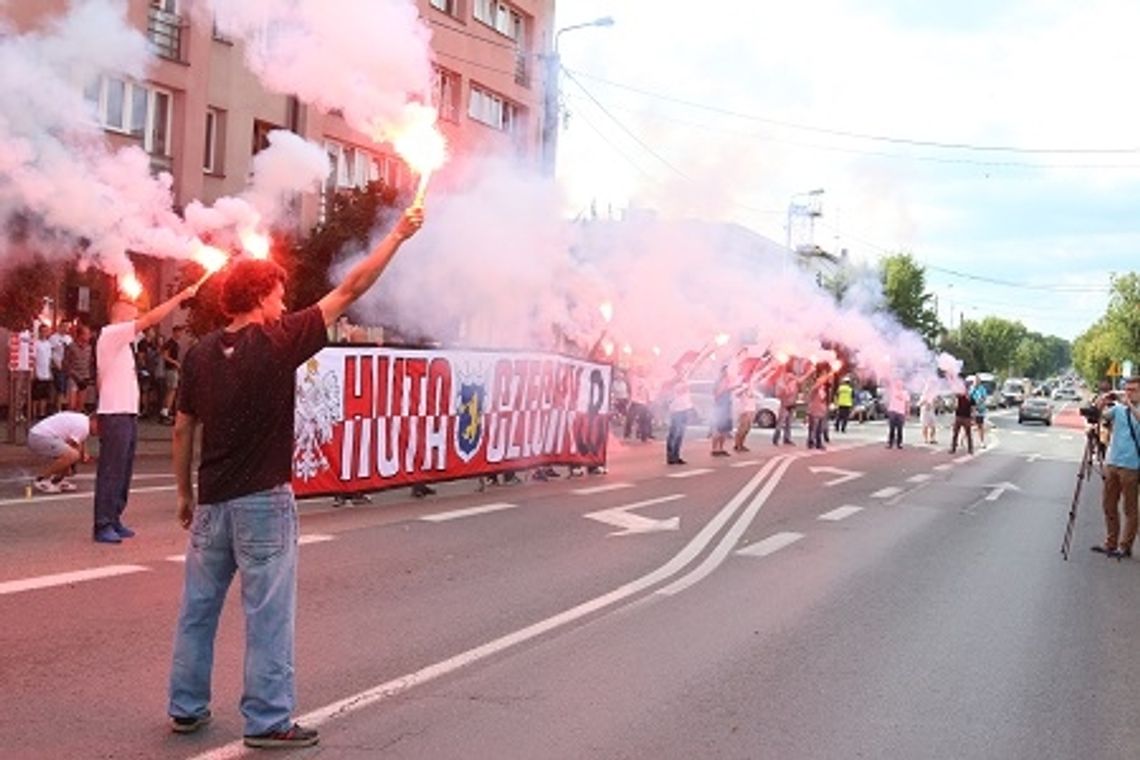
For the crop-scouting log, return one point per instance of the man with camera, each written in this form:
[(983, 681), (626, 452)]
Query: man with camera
[(1122, 469)]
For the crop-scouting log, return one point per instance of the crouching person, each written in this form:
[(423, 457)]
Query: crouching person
[(62, 439)]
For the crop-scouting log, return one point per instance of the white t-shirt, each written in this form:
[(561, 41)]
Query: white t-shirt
[(59, 343), (118, 382), (43, 359), (64, 425)]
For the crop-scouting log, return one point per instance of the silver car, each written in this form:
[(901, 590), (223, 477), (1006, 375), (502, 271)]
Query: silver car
[(1036, 408)]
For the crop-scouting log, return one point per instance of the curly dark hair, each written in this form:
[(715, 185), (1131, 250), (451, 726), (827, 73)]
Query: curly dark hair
[(249, 281)]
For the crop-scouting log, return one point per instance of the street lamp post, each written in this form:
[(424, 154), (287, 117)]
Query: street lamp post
[(550, 96)]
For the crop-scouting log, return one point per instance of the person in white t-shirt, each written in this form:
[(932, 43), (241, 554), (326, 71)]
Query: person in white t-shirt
[(60, 340), (62, 438), (118, 411), (41, 372)]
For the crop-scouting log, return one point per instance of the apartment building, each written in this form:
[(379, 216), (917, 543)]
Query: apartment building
[(202, 115)]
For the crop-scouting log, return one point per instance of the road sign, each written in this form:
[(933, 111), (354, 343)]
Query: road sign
[(1113, 370)]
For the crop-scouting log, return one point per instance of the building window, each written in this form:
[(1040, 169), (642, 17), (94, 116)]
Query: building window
[(501, 17), (445, 94), (261, 130), (493, 110), (164, 29), (450, 7), (215, 139), (134, 109)]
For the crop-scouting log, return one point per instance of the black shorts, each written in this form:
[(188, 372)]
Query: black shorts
[(41, 390)]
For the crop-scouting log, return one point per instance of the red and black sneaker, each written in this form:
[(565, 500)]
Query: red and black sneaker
[(294, 736)]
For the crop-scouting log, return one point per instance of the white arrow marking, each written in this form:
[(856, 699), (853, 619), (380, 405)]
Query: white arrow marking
[(622, 517), (999, 489), (844, 475)]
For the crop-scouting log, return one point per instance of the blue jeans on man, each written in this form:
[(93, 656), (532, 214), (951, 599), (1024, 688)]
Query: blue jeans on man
[(783, 425), (256, 536), (118, 436)]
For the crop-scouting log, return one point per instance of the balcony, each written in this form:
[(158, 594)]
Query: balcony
[(165, 30)]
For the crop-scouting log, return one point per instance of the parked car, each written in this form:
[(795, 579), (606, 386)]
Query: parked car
[(1036, 408), (767, 408)]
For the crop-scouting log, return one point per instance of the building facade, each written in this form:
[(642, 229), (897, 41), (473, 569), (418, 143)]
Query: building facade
[(201, 115)]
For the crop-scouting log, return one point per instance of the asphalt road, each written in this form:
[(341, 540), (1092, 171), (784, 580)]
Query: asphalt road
[(851, 603)]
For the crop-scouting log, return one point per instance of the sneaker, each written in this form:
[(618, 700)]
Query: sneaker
[(340, 501), (1104, 550), (181, 725), (363, 498), (552, 473), (123, 531), (46, 486), (107, 535), (1124, 552), (294, 736), (67, 486)]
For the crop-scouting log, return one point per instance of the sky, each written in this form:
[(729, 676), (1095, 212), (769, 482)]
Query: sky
[(998, 142)]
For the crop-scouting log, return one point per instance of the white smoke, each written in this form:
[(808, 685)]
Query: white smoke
[(361, 57)]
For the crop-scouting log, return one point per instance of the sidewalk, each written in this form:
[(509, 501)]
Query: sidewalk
[(154, 441)]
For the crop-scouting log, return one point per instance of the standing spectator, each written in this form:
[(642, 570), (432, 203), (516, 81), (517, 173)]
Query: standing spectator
[(1121, 471), (927, 416), (722, 411), (60, 438), (787, 390), (744, 408), (620, 392), (119, 411), (639, 414), (172, 352), (79, 364), (41, 372), (898, 404), (60, 340), (844, 403), (979, 395), (239, 384), (680, 407), (146, 363), (963, 421), (818, 396)]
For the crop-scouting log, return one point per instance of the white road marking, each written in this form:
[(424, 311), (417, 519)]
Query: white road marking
[(308, 538), (747, 463), (61, 579), (623, 517), (999, 489), (966, 458), (388, 689), (457, 514), (601, 489), (886, 493), (922, 477), (943, 467), (79, 495), (770, 545), (1019, 432), (844, 475), (689, 473), (840, 513)]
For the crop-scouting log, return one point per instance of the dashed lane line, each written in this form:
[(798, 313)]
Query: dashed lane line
[(886, 493), (770, 545), (840, 513), (457, 514), (65, 579), (689, 473), (308, 538), (601, 489), (922, 477)]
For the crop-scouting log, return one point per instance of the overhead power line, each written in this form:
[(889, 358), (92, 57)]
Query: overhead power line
[(862, 135)]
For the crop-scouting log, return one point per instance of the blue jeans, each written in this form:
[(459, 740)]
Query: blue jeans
[(817, 425), (118, 434), (255, 535), (677, 423), (783, 425), (895, 428)]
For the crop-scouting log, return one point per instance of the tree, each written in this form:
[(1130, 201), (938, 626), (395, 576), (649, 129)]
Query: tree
[(904, 288), (23, 288), (1115, 336)]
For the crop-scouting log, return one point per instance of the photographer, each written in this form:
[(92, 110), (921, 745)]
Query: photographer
[(1122, 469)]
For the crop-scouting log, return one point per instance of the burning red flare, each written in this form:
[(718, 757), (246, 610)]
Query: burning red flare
[(130, 286), (256, 244), (421, 145)]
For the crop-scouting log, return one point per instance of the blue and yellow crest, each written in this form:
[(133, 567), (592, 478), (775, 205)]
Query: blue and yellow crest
[(469, 424)]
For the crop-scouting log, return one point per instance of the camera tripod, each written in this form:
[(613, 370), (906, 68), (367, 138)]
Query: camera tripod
[(1093, 454)]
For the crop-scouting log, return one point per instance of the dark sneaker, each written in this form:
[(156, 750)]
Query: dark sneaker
[(107, 535), (123, 531), (294, 736), (1124, 552), (180, 725), (1104, 550)]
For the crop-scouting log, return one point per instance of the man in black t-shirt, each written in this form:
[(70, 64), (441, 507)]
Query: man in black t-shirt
[(238, 384), (963, 421)]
